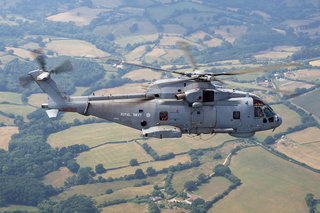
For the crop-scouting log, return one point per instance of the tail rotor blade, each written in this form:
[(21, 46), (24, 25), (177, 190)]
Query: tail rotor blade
[(64, 67), (39, 56), (25, 80)]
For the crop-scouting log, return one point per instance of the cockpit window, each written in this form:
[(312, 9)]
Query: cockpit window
[(268, 111), (257, 102)]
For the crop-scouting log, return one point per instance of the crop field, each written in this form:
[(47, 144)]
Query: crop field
[(80, 16), (69, 117), (137, 53), (214, 187), (98, 189), (145, 74), (6, 133), (113, 155), (10, 97), (184, 144), (57, 178), (269, 183), (7, 58), (231, 32), (134, 208), (22, 110), (18, 208), (289, 119), (123, 41), (38, 99), (125, 89), (6, 120), (127, 193), (301, 148), (123, 29), (92, 135), (154, 55), (71, 47), (309, 102), (173, 28), (292, 85), (21, 52), (311, 75), (157, 165)]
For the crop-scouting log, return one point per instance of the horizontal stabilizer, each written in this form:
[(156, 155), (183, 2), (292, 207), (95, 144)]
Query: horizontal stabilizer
[(52, 113)]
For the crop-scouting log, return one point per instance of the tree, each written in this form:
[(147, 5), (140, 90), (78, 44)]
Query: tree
[(190, 185), (73, 166), (217, 156), (269, 140), (76, 203), (133, 162), (100, 169), (202, 178), (151, 171), (134, 28), (109, 191), (153, 208), (139, 174), (83, 176), (221, 170)]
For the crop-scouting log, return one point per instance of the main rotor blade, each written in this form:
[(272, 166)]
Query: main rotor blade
[(144, 66), (39, 56), (25, 80), (259, 69), (66, 66), (291, 94), (187, 52)]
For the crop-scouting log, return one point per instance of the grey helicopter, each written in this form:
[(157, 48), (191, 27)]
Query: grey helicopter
[(188, 104)]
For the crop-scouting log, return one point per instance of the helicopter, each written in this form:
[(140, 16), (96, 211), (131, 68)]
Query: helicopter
[(169, 108)]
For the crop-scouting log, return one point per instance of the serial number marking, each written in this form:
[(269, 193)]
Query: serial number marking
[(128, 114)]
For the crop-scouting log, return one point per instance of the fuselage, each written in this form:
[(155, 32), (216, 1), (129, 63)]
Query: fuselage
[(192, 107)]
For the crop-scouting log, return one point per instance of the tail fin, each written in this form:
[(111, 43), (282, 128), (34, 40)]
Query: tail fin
[(57, 100)]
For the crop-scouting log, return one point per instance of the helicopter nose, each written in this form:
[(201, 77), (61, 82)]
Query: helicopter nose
[(278, 120)]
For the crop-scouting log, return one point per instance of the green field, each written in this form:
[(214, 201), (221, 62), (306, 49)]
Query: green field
[(157, 165), (215, 187), (134, 208), (99, 189), (10, 97), (22, 110), (92, 135), (187, 142), (113, 155), (309, 101), (18, 208), (270, 184)]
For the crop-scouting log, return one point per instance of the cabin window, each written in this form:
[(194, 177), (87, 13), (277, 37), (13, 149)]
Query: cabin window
[(258, 113), (236, 115), (163, 116), (208, 96)]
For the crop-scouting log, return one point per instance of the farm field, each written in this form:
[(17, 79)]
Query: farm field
[(126, 193), (145, 74), (92, 135), (184, 144), (19, 208), (113, 155), (71, 47), (268, 183), (98, 189), (38, 99), (10, 97), (215, 187), (157, 165), (309, 102), (6, 133), (134, 208), (57, 178), (22, 110), (301, 148)]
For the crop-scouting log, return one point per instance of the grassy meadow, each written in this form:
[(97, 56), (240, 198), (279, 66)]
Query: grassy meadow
[(269, 184)]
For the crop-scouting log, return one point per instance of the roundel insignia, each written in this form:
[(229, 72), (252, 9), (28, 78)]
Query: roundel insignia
[(148, 115)]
